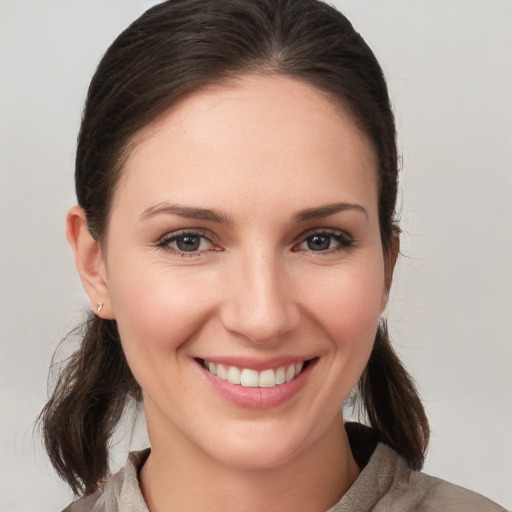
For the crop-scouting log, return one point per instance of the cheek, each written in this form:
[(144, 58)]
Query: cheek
[(347, 304), (156, 310)]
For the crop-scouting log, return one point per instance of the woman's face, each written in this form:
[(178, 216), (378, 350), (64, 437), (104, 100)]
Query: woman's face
[(244, 242)]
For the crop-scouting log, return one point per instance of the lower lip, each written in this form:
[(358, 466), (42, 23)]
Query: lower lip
[(258, 398)]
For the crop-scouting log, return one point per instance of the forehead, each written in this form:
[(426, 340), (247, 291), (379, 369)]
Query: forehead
[(270, 136)]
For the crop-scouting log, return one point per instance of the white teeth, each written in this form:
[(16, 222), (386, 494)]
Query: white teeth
[(280, 375), (221, 371), (249, 378), (267, 379), (290, 373), (253, 379), (233, 375)]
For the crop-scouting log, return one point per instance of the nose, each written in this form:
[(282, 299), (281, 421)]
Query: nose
[(260, 303)]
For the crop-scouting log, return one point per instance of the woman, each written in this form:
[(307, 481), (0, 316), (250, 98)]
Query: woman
[(236, 177)]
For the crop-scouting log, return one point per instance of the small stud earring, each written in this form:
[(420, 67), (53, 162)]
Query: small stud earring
[(100, 307)]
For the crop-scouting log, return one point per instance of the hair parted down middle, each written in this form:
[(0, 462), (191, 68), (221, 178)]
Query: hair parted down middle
[(176, 48)]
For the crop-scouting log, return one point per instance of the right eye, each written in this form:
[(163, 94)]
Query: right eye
[(186, 243)]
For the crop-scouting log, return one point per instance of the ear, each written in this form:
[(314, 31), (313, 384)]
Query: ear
[(390, 258), (89, 262)]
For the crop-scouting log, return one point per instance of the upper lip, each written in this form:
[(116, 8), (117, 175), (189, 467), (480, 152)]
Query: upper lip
[(256, 364)]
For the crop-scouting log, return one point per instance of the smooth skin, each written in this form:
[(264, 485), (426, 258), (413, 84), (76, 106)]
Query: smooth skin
[(245, 227)]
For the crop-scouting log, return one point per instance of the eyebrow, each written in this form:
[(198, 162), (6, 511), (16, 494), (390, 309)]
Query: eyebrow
[(189, 212), (326, 210)]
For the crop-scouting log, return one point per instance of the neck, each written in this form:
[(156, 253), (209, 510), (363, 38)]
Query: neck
[(177, 476)]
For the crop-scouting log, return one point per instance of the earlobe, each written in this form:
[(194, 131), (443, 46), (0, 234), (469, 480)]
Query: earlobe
[(89, 262)]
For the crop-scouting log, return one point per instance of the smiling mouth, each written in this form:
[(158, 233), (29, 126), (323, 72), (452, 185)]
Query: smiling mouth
[(250, 378)]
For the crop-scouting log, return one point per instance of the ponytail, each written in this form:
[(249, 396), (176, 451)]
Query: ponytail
[(392, 404), (86, 405)]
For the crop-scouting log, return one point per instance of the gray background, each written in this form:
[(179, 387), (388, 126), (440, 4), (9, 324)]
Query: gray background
[(449, 66)]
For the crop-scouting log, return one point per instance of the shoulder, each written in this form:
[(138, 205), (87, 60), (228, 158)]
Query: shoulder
[(433, 494), (387, 484), (121, 492), (413, 490)]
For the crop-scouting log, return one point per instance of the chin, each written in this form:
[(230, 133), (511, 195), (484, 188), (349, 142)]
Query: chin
[(255, 456), (261, 447)]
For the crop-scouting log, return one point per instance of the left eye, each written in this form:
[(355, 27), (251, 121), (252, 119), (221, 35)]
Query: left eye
[(186, 243), (323, 241)]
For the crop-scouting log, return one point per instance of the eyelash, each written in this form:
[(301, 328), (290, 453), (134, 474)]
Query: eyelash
[(343, 240), (164, 243)]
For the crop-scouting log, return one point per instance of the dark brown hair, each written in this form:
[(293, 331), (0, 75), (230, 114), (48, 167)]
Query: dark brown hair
[(175, 48)]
